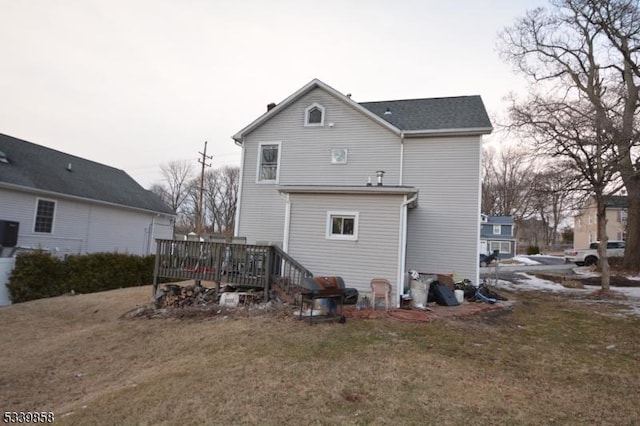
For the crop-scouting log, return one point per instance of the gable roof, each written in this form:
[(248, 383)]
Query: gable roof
[(34, 167), (433, 114), (411, 117)]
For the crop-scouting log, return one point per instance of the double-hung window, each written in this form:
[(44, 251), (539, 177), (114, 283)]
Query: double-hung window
[(268, 162), (44, 216), (342, 225)]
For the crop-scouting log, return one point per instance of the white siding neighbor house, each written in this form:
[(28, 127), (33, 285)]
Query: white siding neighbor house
[(68, 205), (365, 190)]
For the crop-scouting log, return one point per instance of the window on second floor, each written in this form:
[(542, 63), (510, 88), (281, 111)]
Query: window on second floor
[(497, 229), (44, 216), (314, 115), (268, 162)]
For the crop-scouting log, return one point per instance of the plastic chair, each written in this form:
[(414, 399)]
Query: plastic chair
[(380, 287)]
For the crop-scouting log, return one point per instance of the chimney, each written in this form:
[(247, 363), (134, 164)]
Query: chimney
[(271, 106)]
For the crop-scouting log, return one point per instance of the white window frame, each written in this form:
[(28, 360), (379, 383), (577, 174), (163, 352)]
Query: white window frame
[(308, 110), (53, 219), (259, 163), (498, 228), (501, 245), (344, 214), (335, 150)]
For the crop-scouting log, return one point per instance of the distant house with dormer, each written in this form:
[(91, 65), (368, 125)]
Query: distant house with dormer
[(65, 204), (497, 233)]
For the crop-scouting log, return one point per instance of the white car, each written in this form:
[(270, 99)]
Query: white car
[(590, 256)]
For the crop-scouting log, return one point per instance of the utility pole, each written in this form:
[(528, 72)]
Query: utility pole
[(204, 163)]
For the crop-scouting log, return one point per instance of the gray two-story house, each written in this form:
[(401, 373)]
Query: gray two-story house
[(497, 233), (365, 190)]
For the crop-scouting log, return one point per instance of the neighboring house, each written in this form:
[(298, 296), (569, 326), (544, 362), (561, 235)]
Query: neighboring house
[(586, 222), (68, 205), (305, 167), (497, 233)]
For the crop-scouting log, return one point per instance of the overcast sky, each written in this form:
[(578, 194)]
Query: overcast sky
[(137, 83)]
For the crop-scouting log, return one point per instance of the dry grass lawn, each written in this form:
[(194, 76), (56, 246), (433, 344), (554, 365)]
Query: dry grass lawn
[(551, 360)]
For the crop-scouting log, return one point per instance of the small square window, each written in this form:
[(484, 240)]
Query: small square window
[(342, 226), (497, 229), (339, 156)]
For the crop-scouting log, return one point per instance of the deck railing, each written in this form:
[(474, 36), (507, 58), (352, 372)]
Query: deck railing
[(245, 265)]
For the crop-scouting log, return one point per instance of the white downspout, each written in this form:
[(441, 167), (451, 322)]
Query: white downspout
[(287, 222), (401, 157), (402, 245), (236, 226)]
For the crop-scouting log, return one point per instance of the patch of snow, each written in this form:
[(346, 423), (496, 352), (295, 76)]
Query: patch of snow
[(524, 260), (630, 307)]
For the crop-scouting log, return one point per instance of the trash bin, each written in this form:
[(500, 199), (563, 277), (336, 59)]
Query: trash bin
[(420, 289)]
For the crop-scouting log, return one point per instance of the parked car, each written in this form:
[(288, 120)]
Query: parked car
[(588, 257), (487, 259)]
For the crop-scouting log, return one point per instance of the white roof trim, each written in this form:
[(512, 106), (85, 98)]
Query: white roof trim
[(449, 132), (302, 91), (60, 195), (342, 189)]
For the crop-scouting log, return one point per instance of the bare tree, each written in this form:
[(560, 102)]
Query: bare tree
[(174, 190), (582, 56), (221, 195), (553, 198), (506, 186)]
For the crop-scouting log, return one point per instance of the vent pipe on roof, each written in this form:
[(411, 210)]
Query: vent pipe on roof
[(270, 106), (380, 174), (69, 167), (388, 111)]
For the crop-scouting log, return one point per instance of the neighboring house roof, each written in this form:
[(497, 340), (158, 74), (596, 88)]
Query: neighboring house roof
[(499, 220), (618, 202), (413, 117), (34, 167)]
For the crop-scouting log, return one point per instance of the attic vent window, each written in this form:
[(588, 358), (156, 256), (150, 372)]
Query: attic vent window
[(314, 115)]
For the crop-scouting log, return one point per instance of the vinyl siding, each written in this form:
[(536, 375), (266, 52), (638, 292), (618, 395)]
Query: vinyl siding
[(306, 159), (447, 172), (80, 227), (373, 255)]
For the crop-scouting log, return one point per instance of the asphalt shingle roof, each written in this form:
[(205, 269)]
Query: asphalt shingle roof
[(462, 112), (37, 167)]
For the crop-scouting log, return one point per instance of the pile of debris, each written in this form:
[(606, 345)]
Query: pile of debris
[(177, 296)]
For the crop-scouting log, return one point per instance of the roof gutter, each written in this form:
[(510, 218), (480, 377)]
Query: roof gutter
[(472, 131), (78, 198)]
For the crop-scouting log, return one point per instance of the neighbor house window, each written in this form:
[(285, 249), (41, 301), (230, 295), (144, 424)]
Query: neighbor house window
[(314, 115), (342, 225), (497, 229), (501, 246), (44, 216), (268, 160)]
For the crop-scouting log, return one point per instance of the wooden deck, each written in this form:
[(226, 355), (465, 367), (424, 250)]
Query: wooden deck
[(261, 267)]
